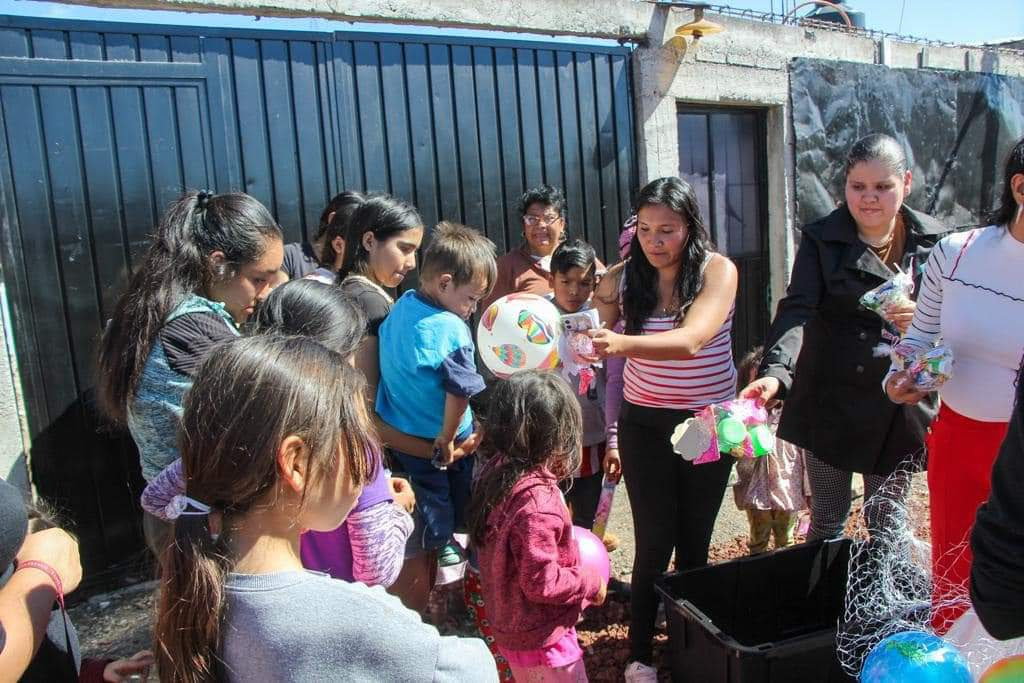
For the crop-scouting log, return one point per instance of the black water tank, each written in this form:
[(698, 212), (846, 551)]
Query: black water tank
[(824, 13)]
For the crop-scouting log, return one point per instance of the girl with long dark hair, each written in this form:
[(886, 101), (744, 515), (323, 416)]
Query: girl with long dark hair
[(676, 296), (272, 443), (212, 258)]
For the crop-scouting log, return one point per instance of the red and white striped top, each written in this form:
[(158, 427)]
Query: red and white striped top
[(691, 384)]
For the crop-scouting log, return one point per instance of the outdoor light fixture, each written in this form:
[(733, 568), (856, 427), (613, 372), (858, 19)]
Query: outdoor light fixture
[(694, 30), (699, 27)]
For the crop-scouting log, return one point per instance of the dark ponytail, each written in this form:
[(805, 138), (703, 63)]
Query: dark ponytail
[(385, 217), (313, 309), (247, 398), (176, 265), (640, 294), (340, 211)]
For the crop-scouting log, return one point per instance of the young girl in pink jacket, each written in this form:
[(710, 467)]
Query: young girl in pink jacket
[(534, 585)]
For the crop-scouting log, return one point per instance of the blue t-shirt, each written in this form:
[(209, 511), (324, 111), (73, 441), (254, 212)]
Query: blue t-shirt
[(425, 353)]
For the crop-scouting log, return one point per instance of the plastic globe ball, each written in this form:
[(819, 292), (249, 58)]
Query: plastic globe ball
[(519, 332), (1009, 670), (915, 657)]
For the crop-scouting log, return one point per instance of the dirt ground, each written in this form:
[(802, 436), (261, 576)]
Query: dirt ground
[(118, 624)]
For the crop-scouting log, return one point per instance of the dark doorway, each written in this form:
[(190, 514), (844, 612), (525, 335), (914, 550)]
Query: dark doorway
[(721, 154)]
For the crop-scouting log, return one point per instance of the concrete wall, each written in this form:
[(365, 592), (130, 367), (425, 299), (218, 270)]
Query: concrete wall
[(746, 66)]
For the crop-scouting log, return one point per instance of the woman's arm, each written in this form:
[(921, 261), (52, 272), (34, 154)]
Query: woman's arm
[(27, 598), (702, 322), (786, 335), (606, 296)]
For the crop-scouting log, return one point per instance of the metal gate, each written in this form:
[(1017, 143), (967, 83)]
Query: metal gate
[(103, 124)]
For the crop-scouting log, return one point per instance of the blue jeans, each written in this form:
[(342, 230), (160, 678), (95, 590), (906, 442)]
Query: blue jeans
[(441, 496)]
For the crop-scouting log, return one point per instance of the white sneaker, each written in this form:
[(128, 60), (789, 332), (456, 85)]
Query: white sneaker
[(638, 672)]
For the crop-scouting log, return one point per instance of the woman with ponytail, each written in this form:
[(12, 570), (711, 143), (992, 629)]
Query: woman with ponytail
[(272, 444), (212, 258)]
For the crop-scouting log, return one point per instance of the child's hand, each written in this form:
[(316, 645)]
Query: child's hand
[(444, 451), (612, 464), (901, 315), (602, 594), (467, 446), (607, 343), (124, 669), (402, 493), (763, 389), (901, 389)]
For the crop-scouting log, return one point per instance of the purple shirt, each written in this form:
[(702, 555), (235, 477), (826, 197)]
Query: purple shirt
[(331, 551)]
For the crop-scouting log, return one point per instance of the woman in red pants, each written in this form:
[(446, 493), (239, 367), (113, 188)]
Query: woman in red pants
[(972, 296)]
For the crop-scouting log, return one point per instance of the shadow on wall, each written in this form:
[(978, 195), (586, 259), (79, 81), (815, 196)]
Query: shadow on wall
[(89, 472), (956, 128)]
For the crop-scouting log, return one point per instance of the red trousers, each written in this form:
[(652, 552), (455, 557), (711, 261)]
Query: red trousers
[(961, 452)]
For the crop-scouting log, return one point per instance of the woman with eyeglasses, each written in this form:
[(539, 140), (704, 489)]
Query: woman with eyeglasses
[(527, 268)]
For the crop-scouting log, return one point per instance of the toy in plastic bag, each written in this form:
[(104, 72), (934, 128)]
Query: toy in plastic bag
[(895, 291), (738, 427), (929, 368), (575, 345)]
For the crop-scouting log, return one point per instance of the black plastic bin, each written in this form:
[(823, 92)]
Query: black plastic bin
[(765, 619)]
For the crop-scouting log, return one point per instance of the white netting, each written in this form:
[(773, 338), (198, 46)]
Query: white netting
[(889, 586)]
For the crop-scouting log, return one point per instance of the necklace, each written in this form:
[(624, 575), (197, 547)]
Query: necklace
[(881, 244)]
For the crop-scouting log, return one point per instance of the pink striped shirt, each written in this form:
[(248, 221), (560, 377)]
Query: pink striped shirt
[(691, 384)]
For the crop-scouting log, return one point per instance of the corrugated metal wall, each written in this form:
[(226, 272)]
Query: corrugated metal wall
[(102, 125)]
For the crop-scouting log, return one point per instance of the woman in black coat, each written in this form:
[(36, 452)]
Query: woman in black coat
[(820, 355)]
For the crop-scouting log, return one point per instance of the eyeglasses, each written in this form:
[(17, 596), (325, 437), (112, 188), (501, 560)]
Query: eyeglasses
[(545, 220)]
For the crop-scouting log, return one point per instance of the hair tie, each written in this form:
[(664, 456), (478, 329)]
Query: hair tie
[(203, 199), (183, 505)]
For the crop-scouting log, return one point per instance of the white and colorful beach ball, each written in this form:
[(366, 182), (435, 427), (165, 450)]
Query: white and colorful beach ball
[(519, 332)]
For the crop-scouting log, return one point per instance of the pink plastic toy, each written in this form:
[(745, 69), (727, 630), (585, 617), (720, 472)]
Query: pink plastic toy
[(593, 555)]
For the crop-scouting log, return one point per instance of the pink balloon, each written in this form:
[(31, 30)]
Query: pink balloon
[(593, 555)]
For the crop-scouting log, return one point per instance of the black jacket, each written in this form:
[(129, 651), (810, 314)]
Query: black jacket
[(821, 347), (997, 540)]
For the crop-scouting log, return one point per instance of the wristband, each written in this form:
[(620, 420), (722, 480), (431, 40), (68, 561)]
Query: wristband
[(49, 571)]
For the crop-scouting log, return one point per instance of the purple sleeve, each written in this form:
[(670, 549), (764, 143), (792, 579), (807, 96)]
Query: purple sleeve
[(377, 491), (459, 375), (378, 535), (613, 398), (158, 493), (331, 551)]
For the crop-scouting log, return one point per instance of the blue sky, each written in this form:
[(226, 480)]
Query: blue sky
[(959, 21)]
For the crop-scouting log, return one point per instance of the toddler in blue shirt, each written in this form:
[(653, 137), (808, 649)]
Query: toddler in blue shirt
[(428, 374)]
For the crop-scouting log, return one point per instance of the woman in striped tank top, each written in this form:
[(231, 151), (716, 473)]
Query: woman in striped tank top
[(676, 296)]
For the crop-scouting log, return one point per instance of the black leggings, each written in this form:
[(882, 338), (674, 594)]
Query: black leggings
[(674, 505)]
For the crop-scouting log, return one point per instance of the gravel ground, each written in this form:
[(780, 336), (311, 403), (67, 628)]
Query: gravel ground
[(118, 624)]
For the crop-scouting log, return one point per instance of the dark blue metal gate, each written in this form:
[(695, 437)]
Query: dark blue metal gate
[(102, 125)]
